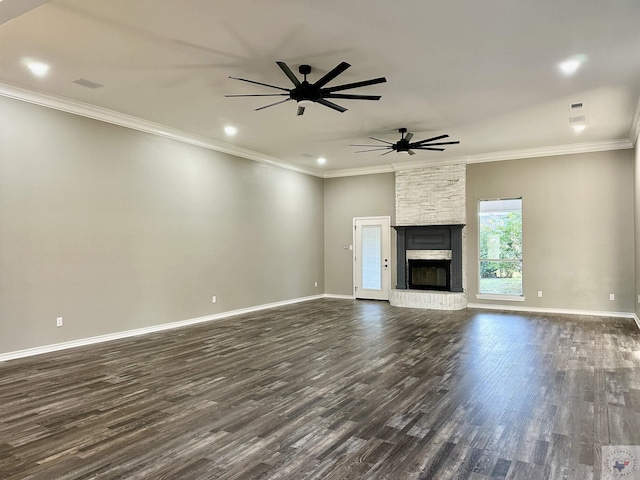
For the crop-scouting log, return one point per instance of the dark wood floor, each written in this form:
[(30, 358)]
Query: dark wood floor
[(330, 389)]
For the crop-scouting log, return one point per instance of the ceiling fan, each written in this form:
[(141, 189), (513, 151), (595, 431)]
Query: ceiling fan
[(406, 145), (305, 93)]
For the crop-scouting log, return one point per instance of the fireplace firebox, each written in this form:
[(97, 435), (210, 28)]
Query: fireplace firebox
[(429, 275)]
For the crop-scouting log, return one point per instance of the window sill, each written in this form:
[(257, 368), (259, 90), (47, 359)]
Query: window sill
[(506, 298)]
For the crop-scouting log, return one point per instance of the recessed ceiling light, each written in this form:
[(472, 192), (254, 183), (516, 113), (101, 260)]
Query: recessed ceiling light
[(571, 65), (578, 128), (231, 131), (39, 69), (322, 161)]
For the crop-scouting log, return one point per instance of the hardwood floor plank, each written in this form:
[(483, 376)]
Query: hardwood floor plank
[(329, 389)]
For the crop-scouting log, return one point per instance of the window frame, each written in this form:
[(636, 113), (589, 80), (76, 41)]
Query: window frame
[(499, 296)]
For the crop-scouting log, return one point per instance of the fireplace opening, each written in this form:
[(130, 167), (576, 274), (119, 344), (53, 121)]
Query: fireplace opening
[(429, 275)]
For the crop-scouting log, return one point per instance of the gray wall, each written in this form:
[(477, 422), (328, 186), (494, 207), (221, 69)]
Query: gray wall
[(114, 229), (345, 198), (636, 165), (578, 227)]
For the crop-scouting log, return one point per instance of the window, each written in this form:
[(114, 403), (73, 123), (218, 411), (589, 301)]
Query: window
[(500, 225)]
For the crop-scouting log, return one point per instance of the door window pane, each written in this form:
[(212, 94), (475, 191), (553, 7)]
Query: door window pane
[(500, 225), (371, 257)]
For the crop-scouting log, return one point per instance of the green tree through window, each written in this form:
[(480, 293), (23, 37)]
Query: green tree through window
[(500, 224)]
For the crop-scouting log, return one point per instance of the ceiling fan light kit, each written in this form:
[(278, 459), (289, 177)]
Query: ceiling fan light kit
[(306, 93)]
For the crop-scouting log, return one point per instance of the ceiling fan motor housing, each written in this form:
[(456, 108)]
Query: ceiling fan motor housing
[(305, 91)]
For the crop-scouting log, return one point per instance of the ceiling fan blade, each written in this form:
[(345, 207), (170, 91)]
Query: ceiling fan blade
[(347, 86), (408, 136), (287, 71), (433, 139), (352, 97), (300, 110), (438, 143), (367, 145), (259, 95), (428, 148), (380, 140), (329, 104), (331, 74), (259, 83), (372, 149), (272, 104), (411, 152), (387, 153)]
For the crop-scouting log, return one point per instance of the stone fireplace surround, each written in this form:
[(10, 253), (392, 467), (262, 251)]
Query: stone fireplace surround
[(430, 216)]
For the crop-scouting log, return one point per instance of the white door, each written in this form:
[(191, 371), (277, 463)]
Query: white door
[(371, 257)]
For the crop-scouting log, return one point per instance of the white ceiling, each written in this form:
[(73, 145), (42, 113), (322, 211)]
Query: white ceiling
[(485, 72)]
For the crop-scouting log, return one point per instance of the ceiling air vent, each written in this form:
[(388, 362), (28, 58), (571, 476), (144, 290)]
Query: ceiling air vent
[(87, 83), (575, 106)]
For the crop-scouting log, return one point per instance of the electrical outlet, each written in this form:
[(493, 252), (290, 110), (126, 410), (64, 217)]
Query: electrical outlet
[(58, 321), (612, 296), (214, 299), (539, 293), (316, 284)]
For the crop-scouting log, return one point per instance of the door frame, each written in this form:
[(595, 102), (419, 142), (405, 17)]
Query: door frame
[(387, 252)]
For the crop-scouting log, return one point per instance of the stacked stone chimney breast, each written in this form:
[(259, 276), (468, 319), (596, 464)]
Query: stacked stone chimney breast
[(427, 197)]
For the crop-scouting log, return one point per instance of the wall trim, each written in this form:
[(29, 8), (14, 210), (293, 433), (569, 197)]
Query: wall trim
[(566, 311), (336, 295), (353, 172), (634, 132), (556, 150), (94, 112), (588, 147), (505, 298), (68, 105), (4, 357), (145, 330)]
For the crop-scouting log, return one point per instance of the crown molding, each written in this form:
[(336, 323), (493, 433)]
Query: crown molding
[(634, 132), (400, 166), (570, 149), (352, 172), (393, 167), (64, 104), (110, 116), (588, 147)]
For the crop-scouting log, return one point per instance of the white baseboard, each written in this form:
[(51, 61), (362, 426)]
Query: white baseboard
[(336, 295), (220, 316), (142, 331), (567, 311)]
